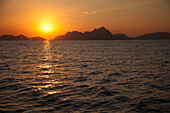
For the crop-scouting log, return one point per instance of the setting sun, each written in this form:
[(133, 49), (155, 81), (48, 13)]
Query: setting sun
[(47, 28)]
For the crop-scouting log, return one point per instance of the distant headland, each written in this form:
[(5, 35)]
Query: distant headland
[(97, 34), (19, 37)]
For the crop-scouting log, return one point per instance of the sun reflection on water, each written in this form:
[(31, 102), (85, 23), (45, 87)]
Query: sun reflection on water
[(53, 92), (47, 81), (47, 50), (47, 85)]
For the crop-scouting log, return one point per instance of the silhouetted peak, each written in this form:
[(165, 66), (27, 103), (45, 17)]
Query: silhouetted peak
[(100, 29), (122, 35), (73, 32), (38, 38), (21, 36), (77, 32), (7, 36), (11, 37)]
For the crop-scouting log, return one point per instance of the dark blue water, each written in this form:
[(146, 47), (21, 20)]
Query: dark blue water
[(131, 76)]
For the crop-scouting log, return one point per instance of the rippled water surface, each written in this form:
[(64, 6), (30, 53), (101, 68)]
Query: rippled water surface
[(85, 76)]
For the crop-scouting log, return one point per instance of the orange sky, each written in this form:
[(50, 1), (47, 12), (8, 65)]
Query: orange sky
[(131, 17)]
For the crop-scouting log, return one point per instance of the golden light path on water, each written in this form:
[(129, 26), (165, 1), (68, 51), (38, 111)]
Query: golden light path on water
[(47, 72)]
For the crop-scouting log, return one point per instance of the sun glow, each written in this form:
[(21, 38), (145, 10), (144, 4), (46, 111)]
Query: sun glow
[(47, 27)]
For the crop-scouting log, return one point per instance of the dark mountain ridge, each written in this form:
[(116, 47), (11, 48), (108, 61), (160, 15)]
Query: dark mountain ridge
[(103, 34), (155, 35), (19, 37), (11, 37), (97, 34), (37, 38)]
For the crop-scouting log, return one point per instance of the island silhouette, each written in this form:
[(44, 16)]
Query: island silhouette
[(19, 37), (97, 34)]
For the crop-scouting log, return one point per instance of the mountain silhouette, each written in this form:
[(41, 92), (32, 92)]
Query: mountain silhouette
[(19, 37), (11, 37), (103, 34), (75, 35), (155, 35), (37, 38), (97, 34)]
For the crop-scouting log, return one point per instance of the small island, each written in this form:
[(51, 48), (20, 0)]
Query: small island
[(19, 37), (37, 38)]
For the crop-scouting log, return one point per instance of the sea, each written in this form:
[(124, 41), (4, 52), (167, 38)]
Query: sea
[(89, 76)]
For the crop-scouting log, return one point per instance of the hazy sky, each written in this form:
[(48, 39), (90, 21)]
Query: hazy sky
[(132, 17)]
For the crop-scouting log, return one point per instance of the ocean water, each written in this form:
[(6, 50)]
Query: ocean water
[(117, 76)]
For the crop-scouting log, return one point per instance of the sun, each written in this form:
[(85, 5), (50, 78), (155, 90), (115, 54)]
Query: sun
[(46, 27)]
